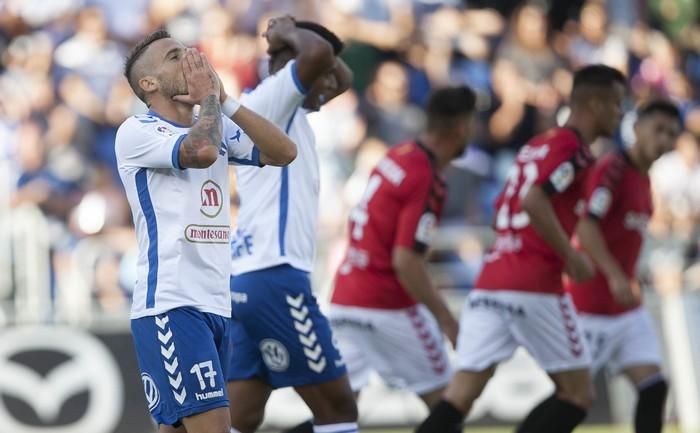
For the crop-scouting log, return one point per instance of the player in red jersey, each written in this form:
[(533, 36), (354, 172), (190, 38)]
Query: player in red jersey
[(619, 331), (386, 314), (519, 298)]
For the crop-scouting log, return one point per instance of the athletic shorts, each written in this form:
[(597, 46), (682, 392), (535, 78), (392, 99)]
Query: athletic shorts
[(181, 354), (278, 331), (621, 341), (405, 347), (495, 322)]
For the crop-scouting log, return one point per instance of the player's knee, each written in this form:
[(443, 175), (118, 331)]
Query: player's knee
[(345, 407), (583, 398), (248, 421), (654, 390), (341, 408)]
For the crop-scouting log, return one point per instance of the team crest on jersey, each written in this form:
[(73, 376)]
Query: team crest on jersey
[(212, 199), (274, 354), (164, 130), (426, 227), (599, 204), (563, 176)]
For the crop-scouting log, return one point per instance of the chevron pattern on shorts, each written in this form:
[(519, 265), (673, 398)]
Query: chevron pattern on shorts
[(167, 351), (433, 349), (307, 337)]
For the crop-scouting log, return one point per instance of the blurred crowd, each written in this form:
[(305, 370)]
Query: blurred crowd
[(63, 95)]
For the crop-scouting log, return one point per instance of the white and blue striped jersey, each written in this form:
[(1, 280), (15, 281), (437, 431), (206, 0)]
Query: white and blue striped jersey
[(278, 217), (181, 216)]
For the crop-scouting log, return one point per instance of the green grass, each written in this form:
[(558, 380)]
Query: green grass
[(587, 429)]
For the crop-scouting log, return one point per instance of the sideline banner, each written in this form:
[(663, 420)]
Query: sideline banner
[(60, 379)]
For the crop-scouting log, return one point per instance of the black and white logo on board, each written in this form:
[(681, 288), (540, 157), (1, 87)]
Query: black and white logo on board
[(57, 380)]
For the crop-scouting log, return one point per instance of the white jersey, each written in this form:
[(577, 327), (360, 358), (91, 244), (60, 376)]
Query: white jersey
[(181, 216), (279, 205)]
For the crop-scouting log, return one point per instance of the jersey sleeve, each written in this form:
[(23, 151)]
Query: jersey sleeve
[(143, 141), (558, 170), (278, 96), (241, 149), (417, 221), (601, 187)]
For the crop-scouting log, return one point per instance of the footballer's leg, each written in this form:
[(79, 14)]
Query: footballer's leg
[(247, 413), (484, 341), (447, 414), (290, 345), (171, 429), (639, 358), (246, 372), (433, 397), (179, 355), (214, 421), (410, 352), (353, 335), (547, 326), (652, 390), (331, 402)]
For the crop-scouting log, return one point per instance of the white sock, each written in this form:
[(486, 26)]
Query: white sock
[(233, 430), (343, 427)]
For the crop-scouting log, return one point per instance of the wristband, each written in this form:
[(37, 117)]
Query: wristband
[(230, 107)]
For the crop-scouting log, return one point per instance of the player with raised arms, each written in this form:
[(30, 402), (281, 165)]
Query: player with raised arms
[(620, 332), (174, 167), (281, 338), (519, 297)]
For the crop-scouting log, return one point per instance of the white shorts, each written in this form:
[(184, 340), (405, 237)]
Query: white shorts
[(405, 347), (495, 322), (618, 342)]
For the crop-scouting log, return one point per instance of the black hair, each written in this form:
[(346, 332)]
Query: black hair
[(598, 75), (135, 54), (663, 106), (447, 104), (323, 32)]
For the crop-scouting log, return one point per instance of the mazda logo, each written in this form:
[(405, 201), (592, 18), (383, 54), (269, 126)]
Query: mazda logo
[(88, 368)]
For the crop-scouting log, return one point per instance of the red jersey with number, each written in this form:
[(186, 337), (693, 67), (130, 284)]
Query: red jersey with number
[(619, 197), (520, 259), (400, 208)]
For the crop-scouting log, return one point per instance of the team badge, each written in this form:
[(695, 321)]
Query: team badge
[(426, 227), (274, 354), (600, 200), (151, 391), (164, 130), (563, 176)]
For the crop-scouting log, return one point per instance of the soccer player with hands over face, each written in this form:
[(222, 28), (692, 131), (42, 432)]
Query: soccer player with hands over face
[(174, 167)]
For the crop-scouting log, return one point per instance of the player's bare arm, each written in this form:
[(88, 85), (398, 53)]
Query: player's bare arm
[(314, 55), (343, 77), (276, 148), (200, 148), (411, 270), (544, 220), (592, 240)]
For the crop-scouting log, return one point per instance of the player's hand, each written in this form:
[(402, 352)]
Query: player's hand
[(449, 327), (202, 80), (579, 267), (222, 92), (277, 28), (621, 289)]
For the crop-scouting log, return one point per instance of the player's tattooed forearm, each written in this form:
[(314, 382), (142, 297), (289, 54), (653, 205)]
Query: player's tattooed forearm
[(207, 131)]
